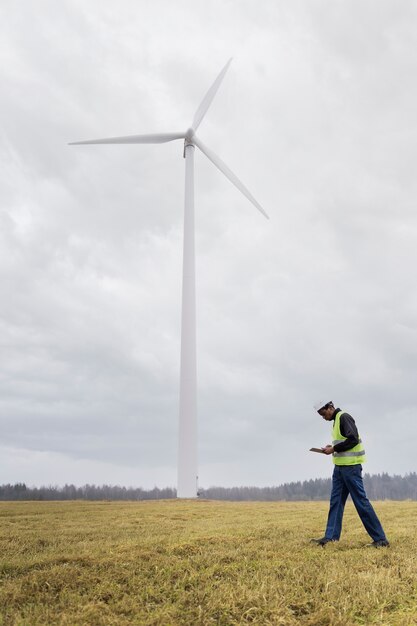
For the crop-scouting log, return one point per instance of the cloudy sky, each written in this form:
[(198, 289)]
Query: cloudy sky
[(317, 115)]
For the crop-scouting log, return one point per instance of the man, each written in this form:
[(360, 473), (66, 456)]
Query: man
[(348, 455)]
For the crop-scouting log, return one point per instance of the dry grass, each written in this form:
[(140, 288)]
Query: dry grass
[(184, 562)]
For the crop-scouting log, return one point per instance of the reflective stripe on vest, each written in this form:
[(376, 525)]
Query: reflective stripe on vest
[(350, 453), (355, 455)]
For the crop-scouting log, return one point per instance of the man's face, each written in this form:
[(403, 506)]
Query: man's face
[(327, 412)]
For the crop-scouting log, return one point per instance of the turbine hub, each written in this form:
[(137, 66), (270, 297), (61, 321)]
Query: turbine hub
[(188, 139), (189, 135)]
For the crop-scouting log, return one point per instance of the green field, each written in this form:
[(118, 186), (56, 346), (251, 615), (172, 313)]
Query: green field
[(201, 562)]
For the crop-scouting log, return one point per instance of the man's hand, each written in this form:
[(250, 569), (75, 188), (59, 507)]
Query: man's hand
[(328, 449)]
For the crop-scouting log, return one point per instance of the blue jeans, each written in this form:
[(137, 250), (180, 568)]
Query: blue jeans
[(347, 479)]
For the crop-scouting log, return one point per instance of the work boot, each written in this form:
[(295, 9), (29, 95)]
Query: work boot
[(322, 542), (382, 543)]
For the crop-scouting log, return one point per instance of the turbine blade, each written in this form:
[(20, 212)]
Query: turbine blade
[(228, 173), (155, 138), (208, 98)]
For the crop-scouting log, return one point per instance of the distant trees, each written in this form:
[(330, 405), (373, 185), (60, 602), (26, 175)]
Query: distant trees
[(378, 487), (386, 487), (20, 491)]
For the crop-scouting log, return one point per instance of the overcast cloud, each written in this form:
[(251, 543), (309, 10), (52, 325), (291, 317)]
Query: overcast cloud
[(317, 115)]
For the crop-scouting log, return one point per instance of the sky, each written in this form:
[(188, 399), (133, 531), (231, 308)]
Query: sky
[(317, 116)]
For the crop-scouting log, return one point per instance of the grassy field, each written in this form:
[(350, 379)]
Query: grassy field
[(202, 562)]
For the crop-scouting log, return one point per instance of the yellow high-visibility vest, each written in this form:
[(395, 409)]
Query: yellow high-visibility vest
[(354, 456)]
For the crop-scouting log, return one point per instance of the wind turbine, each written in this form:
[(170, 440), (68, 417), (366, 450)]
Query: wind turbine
[(187, 445)]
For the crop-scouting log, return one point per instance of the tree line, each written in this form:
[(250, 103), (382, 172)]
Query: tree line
[(378, 487), (19, 491)]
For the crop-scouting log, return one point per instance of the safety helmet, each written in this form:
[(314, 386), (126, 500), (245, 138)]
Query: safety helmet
[(320, 404)]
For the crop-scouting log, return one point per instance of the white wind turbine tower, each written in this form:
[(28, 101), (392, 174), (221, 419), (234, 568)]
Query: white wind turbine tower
[(187, 448)]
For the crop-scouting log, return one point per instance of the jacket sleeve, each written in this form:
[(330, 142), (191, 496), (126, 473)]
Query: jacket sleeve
[(348, 430)]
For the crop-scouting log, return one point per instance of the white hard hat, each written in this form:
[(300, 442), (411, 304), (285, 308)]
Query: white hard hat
[(320, 404)]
